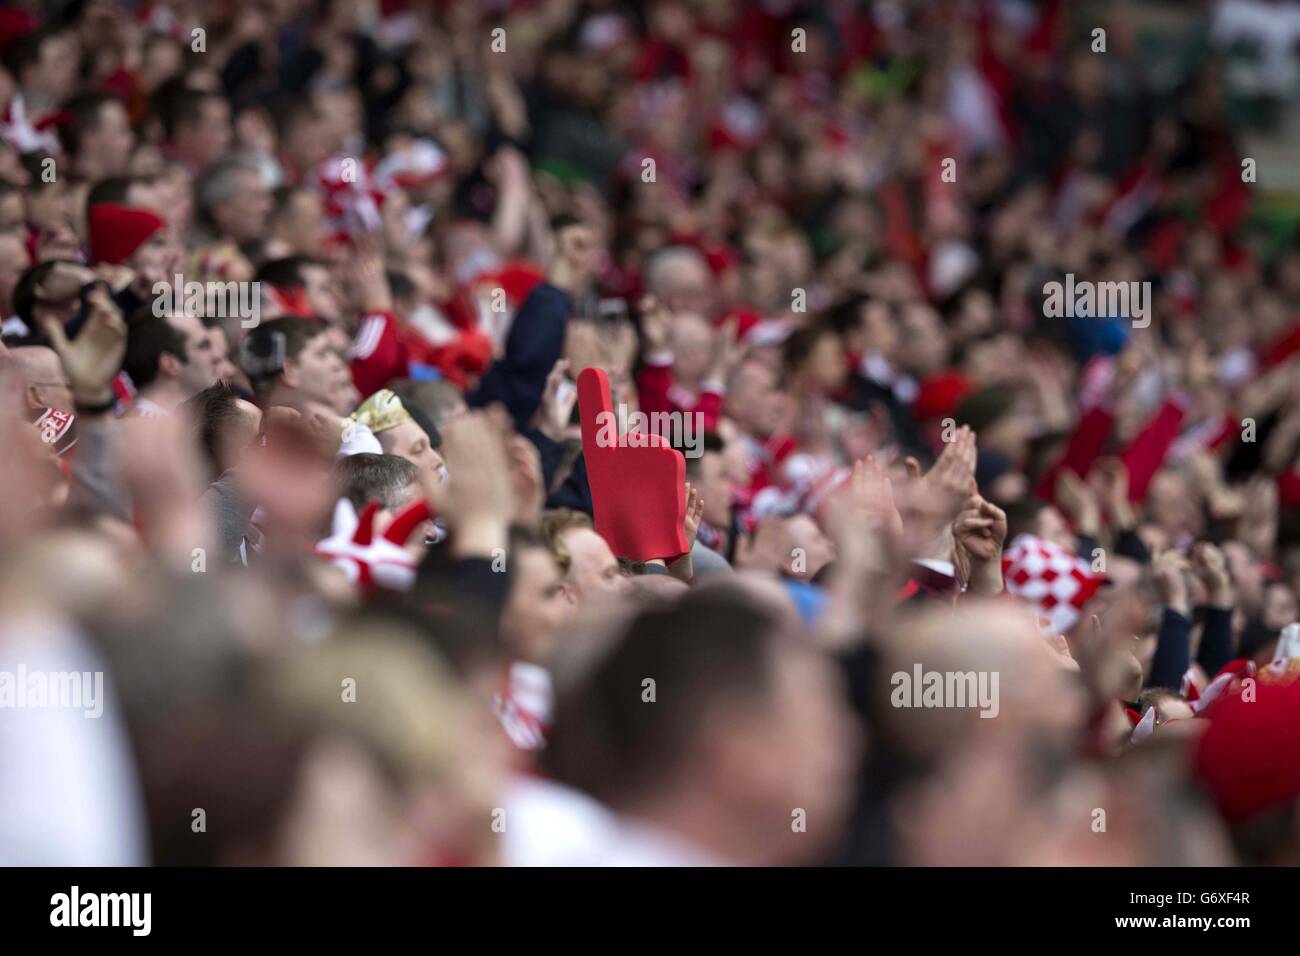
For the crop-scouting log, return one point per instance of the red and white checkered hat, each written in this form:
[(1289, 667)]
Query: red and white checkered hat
[(1054, 582)]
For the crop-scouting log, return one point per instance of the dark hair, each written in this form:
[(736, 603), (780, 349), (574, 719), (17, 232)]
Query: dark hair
[(711, 443), (148, 338), (180, 105), (706, 651), (847, 314), (112, 189), (287, 110), (562, 221), (1022, 516), (25, 291), (366, 477), (84, 111), (25, 51), (801, 343), (239, 760), (34, 163), (400, 283), (522, 539), (211, 409), (987, 407), (285, 272), (266, 348), (284, 197)]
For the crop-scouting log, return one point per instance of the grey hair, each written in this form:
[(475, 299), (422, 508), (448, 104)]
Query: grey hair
[(663, 263), (384, 478), (220, 180)]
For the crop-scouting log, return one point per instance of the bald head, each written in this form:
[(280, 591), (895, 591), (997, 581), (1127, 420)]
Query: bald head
[(998, 647), (679, 277), (38, 375)]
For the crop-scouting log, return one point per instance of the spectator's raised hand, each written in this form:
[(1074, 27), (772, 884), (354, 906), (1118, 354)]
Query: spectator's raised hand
[(365, 279), (979, 533), (694, 514), (1212, 568), (480, 500), (526, 482), (93, 359), (1110, 481), (930, 503), (726, 353), (1170, 569), (1078, 502), (655, 325), (558, 398)]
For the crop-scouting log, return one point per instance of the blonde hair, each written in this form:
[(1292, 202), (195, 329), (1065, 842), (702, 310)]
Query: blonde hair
[(557, 521)]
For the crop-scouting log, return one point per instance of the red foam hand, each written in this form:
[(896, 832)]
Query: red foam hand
[(638, 492)]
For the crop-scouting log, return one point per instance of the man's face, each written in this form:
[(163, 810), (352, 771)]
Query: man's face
[(715, 490), (826, 365), (924, 339), (578, 248), (319, 372), (806, 539), (223, 366), (593, 569), (110, 143), (689, 288), (322, 293), (752, 402), (879, 332), (199, 371), (14, 261), (409, 441), (210, 135), (692, 347), (174, 198), (157, 260), (303, 225), (537, 608), (309, 143), (1279, 606), (243, 216), (1053, 527), (55, 72)]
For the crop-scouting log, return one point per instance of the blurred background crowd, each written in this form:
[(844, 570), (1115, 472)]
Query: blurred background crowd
[(329, 533)]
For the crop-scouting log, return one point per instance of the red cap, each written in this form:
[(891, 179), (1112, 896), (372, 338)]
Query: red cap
[(1249, 758), (939, 395), (117, 231)]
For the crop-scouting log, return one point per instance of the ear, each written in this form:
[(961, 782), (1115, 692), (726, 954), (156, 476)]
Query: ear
[(34, 399), (570, 593), (289, 374)]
